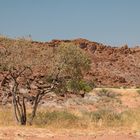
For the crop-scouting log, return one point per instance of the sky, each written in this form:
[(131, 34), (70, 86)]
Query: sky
[(112, 22)]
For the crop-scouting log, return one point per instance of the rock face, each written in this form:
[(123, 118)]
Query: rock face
[(111, 66)]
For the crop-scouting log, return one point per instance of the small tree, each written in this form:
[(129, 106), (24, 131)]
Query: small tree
[(66, 64), (69, 64)]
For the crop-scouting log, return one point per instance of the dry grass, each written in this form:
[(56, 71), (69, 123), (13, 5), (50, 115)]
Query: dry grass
[(100, 119), (6, 117)]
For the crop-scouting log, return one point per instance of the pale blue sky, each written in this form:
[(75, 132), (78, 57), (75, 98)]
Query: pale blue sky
[(113, 22)]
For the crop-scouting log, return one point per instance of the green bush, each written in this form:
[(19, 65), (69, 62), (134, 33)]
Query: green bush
[(79, 86)]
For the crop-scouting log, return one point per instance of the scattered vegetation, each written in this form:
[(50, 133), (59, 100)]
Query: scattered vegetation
[(106, 93), (83, 120), (57, 119), (108, 99)]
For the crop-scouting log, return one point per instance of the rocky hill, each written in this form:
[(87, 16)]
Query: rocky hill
[(111, 66)]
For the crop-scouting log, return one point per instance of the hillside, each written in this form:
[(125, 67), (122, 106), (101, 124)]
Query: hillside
[(110, 67)]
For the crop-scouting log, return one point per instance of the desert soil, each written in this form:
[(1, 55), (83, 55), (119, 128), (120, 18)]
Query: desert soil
[(22, 133)]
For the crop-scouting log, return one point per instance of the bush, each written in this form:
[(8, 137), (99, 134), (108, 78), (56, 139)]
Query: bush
[(60, 119), (106, 93), (79, 86)]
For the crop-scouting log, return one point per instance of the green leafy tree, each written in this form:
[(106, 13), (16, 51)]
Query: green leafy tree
[(68, 66)]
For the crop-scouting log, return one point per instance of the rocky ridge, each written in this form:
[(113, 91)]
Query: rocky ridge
[(111, 66)]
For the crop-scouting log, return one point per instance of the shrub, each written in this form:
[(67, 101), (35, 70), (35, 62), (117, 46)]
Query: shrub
[(106, 93), (60, 119), (79, 86)]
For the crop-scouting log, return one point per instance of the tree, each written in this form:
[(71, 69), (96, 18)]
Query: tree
[(65, 70), (13, 81), (69, 64)]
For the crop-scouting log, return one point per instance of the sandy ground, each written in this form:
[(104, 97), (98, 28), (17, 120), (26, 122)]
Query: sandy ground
[(22, 133)]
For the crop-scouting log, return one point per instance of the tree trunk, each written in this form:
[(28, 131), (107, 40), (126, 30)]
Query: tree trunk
[(19, 109), (34, 108), (22, 111)]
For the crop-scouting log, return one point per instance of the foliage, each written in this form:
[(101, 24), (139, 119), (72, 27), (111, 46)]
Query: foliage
[(68, 65), (79, 86)]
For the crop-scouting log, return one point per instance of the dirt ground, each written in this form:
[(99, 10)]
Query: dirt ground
[(22, 133)]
